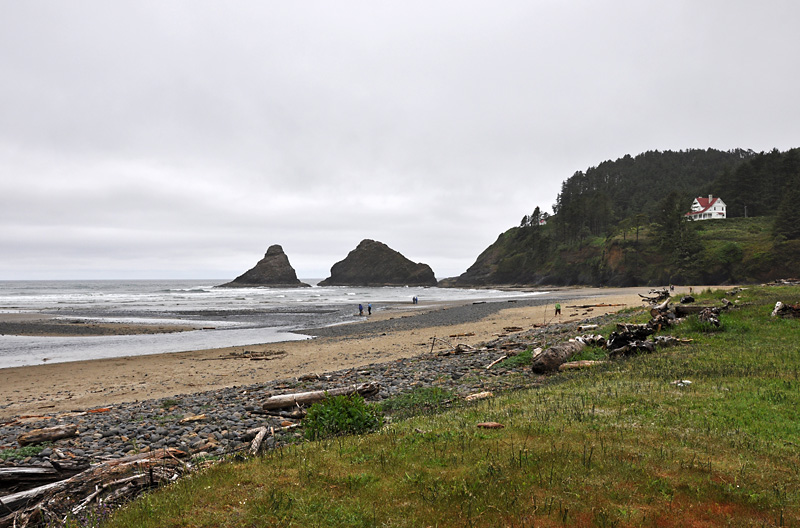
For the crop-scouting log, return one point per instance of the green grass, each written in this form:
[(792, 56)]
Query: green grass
[(616, 446), (421, 400), (21, 453), (520, 360)]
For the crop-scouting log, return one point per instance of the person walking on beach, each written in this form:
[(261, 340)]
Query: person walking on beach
[(369, 309), (360, 309), (558, 308)]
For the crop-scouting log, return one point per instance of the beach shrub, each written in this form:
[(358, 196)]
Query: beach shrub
[(340, 415), (522, 359), (21, 453)]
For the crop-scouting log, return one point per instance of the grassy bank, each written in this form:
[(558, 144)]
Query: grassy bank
[(620, 445)]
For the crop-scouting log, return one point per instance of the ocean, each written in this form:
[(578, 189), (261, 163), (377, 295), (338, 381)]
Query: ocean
[(223, 316)]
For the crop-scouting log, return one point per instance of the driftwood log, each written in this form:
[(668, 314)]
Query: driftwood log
[(255, 445), (627, 334), (551, 358), (14, 479), (49, 434), (786, 310), (633, 348), (784, 282), (656, 296), (305, 398), (688, 309), (580, 365), (709, 316), (110, 482), (668, 341)]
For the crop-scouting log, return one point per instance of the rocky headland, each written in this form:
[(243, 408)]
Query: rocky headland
[(374, 263), (272, 271)]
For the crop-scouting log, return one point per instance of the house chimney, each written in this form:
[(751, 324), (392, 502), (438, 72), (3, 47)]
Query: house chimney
[(710, 197)]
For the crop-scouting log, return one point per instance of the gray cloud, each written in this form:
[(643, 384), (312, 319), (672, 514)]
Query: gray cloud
[(181, 139)]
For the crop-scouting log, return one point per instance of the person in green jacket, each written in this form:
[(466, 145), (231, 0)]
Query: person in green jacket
[(558, 309)]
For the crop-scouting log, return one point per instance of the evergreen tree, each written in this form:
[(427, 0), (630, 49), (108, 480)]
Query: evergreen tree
[(787, 219), (670, 221), (535, 217)]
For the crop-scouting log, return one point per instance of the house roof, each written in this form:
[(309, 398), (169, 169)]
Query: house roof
[(705, 205)]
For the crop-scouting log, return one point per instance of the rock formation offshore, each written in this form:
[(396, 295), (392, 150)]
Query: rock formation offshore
[(273, 271), (374, 263)]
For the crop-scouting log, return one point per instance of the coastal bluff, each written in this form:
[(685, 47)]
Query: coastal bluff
[(272, 271), (374, 263)]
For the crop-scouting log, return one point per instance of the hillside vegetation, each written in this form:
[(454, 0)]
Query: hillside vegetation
[(736, 250), (700, 435), (622, 224)]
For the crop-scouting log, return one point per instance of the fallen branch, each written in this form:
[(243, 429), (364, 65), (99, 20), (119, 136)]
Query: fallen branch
[(495, 362), (51, 503), (255, 445)]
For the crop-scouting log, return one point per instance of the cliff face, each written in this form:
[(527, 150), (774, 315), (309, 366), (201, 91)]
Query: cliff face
[(376, 264), (273, 270)]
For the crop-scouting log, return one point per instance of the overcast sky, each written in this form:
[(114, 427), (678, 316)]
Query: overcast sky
[(165, 139)]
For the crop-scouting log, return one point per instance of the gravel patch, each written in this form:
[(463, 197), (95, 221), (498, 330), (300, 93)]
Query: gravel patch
[(216, 423)]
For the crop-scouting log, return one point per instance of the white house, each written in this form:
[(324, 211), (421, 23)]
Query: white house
[(707, 209)]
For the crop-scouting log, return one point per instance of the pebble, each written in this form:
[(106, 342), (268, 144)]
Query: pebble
[(230, 412)]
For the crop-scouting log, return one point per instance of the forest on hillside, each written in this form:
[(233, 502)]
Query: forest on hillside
[(622, 223)]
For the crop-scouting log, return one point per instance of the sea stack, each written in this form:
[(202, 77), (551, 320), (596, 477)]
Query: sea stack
[(272, 271), (376, 264)]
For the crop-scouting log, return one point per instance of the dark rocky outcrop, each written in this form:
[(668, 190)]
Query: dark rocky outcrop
[(376, 264), (273, 270)]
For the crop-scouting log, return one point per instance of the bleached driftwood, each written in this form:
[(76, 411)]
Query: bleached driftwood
[(255, 445), (114, 480), (632, 348), (479, 396), (305, 398), (495, 362), (668, 341), (786, 310), (580, 365)]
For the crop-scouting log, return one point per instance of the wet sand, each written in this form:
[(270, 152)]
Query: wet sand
[(388, 334), (30, 324)]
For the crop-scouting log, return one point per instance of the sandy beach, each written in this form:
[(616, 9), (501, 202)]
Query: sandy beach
[(386, 335)]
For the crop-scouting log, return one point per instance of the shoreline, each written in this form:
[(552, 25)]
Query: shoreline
[(388, 335)]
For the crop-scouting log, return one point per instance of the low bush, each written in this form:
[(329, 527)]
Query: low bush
[(21, 453), (340, 415)]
